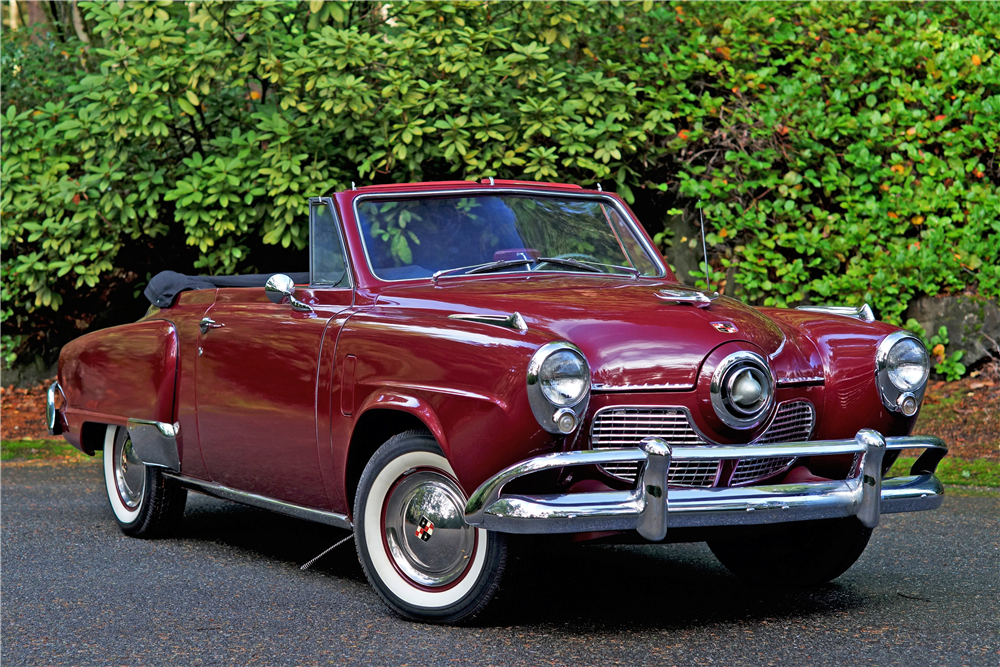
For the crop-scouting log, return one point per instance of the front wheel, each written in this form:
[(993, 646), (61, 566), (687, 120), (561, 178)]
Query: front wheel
[(417, 551), (144, 502), (794, 554)]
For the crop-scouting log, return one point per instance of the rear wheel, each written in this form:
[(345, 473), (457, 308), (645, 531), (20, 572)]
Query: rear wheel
[(417, 551), (144, 502), (794, 554)]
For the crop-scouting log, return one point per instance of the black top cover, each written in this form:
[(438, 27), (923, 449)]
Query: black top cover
[(166, 285)]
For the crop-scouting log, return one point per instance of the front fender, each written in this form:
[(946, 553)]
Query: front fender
[(465, 381), (846, 349), (400, 400)]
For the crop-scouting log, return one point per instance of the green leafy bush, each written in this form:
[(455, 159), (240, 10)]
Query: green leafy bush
[(843, 152)]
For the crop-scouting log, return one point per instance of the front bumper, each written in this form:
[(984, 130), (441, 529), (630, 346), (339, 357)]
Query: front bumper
[(651, 507)]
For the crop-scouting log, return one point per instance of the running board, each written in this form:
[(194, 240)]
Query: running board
[(263, 502)]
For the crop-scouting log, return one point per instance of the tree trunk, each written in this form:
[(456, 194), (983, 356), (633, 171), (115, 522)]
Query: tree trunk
[(15, 18), (81, 30), (36, 17)]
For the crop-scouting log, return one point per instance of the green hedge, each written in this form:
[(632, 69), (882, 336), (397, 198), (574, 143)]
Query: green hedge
[(843, 152)]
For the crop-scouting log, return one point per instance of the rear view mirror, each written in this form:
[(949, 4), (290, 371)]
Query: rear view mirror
[(280, 288)]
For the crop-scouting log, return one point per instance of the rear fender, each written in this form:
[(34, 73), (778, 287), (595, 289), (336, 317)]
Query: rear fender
[(117, 374)]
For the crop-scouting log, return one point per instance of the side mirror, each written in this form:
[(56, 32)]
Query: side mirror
[(280, 289)]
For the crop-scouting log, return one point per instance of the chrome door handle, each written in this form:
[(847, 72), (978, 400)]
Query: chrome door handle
[(208, 323)]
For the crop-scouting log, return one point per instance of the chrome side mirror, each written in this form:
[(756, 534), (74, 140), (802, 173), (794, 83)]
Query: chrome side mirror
[(280, 289)]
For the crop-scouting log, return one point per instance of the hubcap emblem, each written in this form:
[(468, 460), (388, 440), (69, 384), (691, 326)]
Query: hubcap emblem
[(425, 528)]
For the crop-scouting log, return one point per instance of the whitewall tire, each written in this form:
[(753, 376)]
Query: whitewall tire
[(414, 545), (144, 503)]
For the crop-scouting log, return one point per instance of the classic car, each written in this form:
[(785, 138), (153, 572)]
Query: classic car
[(464, 361)]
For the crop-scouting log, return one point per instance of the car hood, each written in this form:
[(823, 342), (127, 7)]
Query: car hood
[(631, 337)]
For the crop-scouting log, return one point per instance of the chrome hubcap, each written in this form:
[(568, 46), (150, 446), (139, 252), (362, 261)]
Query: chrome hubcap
[(130, 475), (425, 530)]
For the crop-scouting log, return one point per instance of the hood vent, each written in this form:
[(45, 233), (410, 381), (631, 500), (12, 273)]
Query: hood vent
[(513, 321), (863, 312)]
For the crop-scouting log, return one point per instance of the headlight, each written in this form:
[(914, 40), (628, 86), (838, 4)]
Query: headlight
[(901, 368), (742, 390), (564, 377), (908, 364), (558, 386)]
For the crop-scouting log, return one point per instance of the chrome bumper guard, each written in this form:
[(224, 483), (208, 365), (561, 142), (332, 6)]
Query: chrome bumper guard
[(51, 415), (650, 507)]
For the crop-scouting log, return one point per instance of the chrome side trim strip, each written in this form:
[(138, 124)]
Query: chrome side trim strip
[(513, 321), (263, 502), (155, 443), (863, 312), (650, 507)]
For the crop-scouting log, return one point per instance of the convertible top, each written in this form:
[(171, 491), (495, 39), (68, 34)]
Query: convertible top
[(166, 285)]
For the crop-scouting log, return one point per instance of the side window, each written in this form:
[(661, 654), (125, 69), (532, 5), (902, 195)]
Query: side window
[(328, 266)]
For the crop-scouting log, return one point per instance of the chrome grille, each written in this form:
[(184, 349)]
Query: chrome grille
[(681, 473), (750, 470), (692, 473), (792, 423), (628, 426)]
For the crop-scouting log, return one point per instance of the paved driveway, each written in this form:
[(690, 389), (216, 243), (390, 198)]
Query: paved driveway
[(227, 590)]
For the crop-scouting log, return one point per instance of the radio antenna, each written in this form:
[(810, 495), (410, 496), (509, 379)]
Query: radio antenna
[(704, 247)]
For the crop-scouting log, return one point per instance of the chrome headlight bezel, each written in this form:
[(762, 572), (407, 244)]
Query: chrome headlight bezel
[(894, 397), (549, 413), (726, 374)]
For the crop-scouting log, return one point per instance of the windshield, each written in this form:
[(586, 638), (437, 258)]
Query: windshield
[(418, 237)]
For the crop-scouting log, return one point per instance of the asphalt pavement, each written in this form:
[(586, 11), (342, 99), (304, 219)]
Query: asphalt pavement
[(227, 590)]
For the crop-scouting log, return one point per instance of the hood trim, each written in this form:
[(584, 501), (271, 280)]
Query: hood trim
[(797, 382), (670, 386)]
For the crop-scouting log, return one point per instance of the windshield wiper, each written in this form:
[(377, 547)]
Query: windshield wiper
[(499, 265), (506, 263), (631, 269), (568, 262), (482, 268)]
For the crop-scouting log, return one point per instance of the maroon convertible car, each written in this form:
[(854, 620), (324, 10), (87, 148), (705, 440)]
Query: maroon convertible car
[(465, 360)]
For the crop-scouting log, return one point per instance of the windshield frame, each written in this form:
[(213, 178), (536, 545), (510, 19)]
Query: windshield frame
[(605, 198)]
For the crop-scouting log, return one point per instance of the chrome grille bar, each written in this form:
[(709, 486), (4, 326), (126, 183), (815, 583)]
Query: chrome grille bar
[(627, 426)]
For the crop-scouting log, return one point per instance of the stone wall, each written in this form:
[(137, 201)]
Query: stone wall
[(972, 321), (27, 375)]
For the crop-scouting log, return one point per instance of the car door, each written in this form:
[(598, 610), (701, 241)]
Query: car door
[(257, 377)]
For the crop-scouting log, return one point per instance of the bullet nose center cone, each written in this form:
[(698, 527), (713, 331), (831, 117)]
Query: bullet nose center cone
[(746, 390)]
